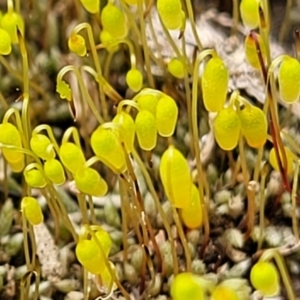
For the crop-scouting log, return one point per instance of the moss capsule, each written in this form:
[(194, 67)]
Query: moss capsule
[(222, 292), (227, 127), (34, 178), (192, 214), (289, 158), (170, 13), (166, 116), (5, 42), (114, 21), (176, 178), (10, 135), (134, 79), (254, 126), (127, 129), (251, 51), (107, 147), (104, 239), (41, 146), (76, 44), (176, 68), (55, 171), (11, 22), (32, 210), (146, 130), (92, 6), (148, 101), (289, 80), (250, 13), (264, 277), (89, 181), (214, 84), (71, 157), (64, 90), (185, 287)]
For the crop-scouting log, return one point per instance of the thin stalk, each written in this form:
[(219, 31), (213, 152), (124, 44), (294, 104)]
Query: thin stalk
[(183, 240), (194, 113), (83, 208), (88, 28), (25, 242), (286, 21), (124, 221), (235, 17), (92, 210), (251, 208), (294, 204), (262, 198), (144, 44), (193, 26)]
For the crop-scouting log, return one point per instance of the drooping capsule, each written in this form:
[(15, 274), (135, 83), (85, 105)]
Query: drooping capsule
[(250, 13), (71, 157), (114, 21), (12, 22), (289, 79), (127, 129), (146, 130), (5, 42), (166, 115), (92, 6), (34, 178), (214, 83), (192, 215), (254, 125), (76, 44), (170, 12), (54, 171), (134, 79), (32, 210), (90, 182), (265, 278), (148, 101), (107, 147), (223, 292), (64, 90), (40, 144), (227, 127), (176, 68), (176, 177), (289, 157), (251, 51)]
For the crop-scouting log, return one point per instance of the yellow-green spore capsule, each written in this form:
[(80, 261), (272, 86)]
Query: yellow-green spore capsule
[(127, 129), (289, 80), (34, 178), (89, 181), (32, 210), (176, 68), (5, 42), (166, 115), (104, 239), (227, 127), (170, 13), (11, 22), (223, 292), (192, 214), (71, 157), (114, 21), (89, 255), (146, 130), (92, 6), (148, 101), (250, 13), (134, 79), (76, 44), (10, 135), (55, 171), (108, 41), (254, 126), (265, 278), (185, 287), (107, 147), (64, 90), (41, 146), (214, 84), (289, 158), (18, 166), (251, 51), (176, 177)]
